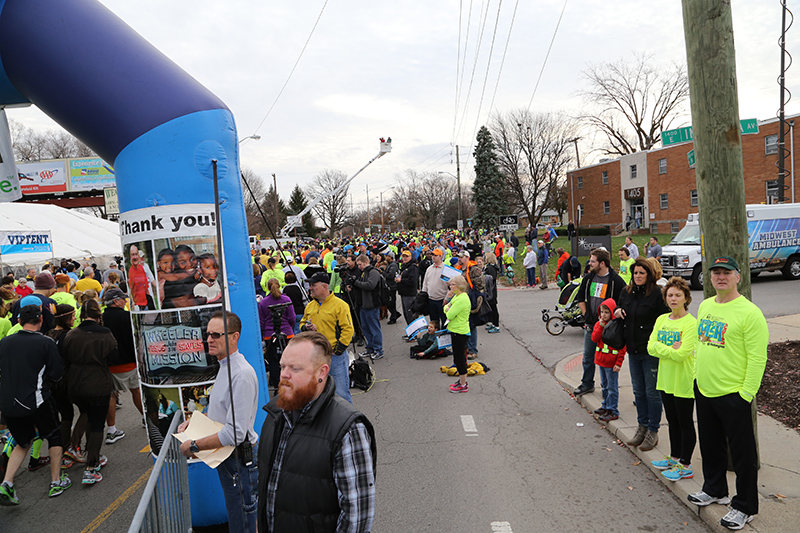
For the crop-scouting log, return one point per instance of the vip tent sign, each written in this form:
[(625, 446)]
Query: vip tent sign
[(25, 242)]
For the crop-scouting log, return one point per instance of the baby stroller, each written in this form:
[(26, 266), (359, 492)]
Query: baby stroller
[(566, 312)]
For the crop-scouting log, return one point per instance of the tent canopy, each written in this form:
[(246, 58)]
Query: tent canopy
[(75, 235)]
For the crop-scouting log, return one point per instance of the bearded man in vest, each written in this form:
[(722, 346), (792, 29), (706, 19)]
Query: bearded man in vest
[(317, 451)]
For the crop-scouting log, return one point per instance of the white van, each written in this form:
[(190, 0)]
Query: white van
[(774, 244)]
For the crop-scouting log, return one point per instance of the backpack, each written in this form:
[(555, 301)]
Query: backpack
[(361, 374), (383, 292), (480, 317)]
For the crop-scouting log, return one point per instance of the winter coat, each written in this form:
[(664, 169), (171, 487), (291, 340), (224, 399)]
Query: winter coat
[(604, 355), (641, 312)]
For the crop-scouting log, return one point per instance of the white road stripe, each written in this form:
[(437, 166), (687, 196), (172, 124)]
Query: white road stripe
[(501, 527), (469, 424)]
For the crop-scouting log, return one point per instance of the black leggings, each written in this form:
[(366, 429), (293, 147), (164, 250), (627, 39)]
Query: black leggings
[(96, 409), (682, 436), (460, 352)]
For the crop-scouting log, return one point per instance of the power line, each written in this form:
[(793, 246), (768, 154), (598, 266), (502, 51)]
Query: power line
[(474, 67), (486, 77), (293, 68), (460, 82), (502, 62), (548, 53)]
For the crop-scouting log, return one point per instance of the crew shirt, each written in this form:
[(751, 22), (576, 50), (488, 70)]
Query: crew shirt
[(675, 367)]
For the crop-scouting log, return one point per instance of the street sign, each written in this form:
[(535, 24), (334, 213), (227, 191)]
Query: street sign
[(690, 155), (460, 224), (509, 219), (509, 227), (747, 126)]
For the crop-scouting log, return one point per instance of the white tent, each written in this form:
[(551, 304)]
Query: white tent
[(75, 235)]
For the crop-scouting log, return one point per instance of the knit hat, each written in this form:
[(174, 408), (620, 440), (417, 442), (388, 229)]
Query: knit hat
[(44, 280)]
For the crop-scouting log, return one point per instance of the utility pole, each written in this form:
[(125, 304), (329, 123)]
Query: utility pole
[(708, 29), (275, 209), (458, 183), (369, 219)]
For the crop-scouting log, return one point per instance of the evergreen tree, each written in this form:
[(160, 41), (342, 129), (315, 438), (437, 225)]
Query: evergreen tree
[(298, 202), (274, 209), (489, 187)]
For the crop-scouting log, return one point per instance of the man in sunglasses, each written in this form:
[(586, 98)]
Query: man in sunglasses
[(238, 474)]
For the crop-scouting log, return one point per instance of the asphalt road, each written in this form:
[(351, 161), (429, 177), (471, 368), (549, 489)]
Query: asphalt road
[(526, 464)]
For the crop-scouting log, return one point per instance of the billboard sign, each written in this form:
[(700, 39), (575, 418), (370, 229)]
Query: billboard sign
[(42, 177), (91, 173)]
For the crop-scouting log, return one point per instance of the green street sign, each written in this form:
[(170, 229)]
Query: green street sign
[(690, 155), (746, 127)]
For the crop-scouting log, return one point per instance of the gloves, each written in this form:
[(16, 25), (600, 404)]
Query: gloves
[(339, 348)]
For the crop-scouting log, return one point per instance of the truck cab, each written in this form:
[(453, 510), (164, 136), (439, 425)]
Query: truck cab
[(773, 244)]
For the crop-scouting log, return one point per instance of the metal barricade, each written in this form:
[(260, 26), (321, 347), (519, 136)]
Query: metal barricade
[(164, 506)]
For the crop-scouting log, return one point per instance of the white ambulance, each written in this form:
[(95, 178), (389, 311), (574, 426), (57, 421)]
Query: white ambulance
[(774, 244)]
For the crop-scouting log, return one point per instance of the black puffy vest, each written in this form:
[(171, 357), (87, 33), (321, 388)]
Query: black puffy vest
[(306, 499)]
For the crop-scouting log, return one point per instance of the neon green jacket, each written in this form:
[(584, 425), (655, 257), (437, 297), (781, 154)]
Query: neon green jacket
[(268, 274), (675, 366), (731, 348), (626, 270), (457, 312)]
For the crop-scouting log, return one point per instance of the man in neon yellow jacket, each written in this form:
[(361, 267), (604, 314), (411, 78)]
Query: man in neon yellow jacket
[(731, 356)]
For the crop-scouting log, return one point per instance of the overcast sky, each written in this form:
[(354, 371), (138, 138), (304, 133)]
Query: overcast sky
[(375, 69)]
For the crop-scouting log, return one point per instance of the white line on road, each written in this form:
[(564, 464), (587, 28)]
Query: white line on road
[(469, 425), (501, 527)]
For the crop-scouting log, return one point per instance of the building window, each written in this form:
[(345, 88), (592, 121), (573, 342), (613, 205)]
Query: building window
[(662, 166), (674, 227), (580, 182), (770, 144), (605, 177), (772, 191), (580, 211), (633, 172), (693, 198), (664, 202), (606, 208), (654, 227)]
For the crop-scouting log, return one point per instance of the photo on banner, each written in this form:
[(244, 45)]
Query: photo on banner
[(161, 404)]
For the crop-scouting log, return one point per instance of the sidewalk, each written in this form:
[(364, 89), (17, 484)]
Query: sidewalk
[(778, 479)]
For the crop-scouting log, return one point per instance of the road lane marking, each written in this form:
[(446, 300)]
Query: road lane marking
[(501, 527), (146, 449), (469, 425), (102, 517)]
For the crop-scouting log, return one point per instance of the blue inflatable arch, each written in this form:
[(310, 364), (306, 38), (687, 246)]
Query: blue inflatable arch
[(157, 125)]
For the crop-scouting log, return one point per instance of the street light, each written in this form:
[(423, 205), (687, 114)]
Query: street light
[(254, 137), (458, 180), (383, 191)]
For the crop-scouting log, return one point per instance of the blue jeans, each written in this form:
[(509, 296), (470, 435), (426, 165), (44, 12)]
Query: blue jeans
[(340, 372), (644, 374), (371, 326), (588, 358), (297, 326), (241, 492), (472, 341), (531, 272), (609, 380)]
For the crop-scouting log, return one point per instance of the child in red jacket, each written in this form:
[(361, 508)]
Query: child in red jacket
[(609, 360)]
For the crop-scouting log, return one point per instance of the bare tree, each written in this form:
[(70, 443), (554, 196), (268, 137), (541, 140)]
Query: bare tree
[(252, 202), (331, 210), (421, 198), (634, 103), (533, 151), (30, 145)]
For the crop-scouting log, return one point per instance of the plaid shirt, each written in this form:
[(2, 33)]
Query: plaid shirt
[(352, 473)]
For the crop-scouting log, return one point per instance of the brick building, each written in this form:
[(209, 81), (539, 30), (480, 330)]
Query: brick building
[(658, 187)]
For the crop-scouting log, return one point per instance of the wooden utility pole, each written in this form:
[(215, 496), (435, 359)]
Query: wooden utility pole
[(708, 30)]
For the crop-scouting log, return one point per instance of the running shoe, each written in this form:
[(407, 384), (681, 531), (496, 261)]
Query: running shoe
[(458, 387), (36, 464), (375, 355), (367, 353), (702, 499), (76, 455), (494, 329), (114, 436), (678, 472), (103, 461), (608, 417), (57, 487), (66, 462), (91, 476), (735, 519), (664, 464), (8, 496)]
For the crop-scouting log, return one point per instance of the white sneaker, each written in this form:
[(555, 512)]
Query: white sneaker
[(701, 499), (111, 438), (735, 519)]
